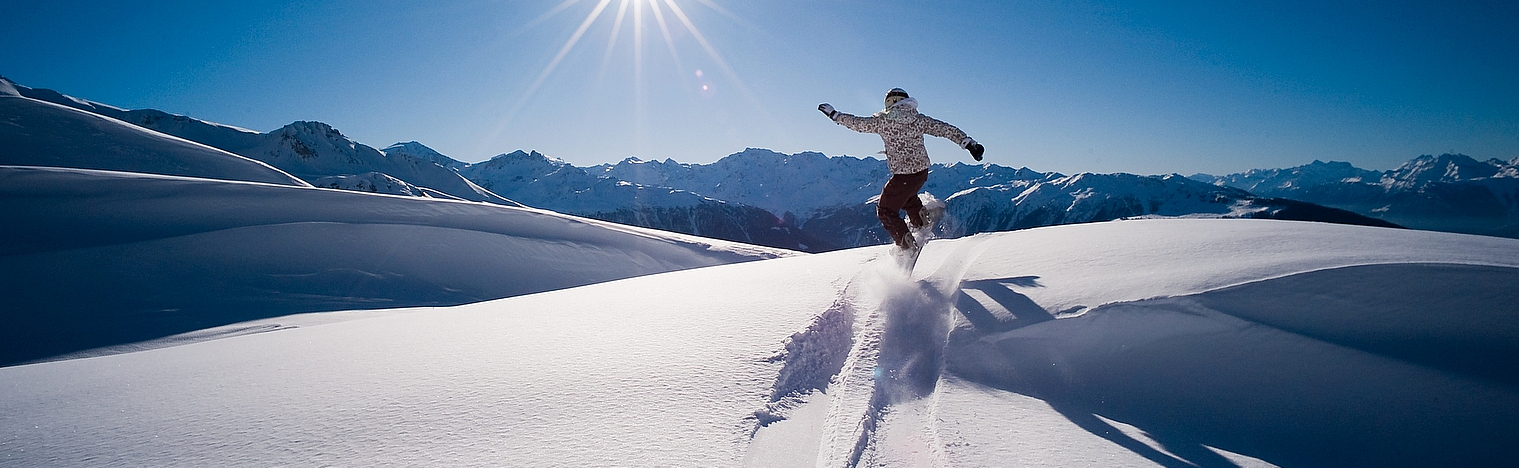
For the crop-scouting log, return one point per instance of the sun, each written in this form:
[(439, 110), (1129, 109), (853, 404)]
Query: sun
[(636, 15)]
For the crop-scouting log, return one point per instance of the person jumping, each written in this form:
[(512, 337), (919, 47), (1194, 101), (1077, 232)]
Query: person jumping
[(902, 128)]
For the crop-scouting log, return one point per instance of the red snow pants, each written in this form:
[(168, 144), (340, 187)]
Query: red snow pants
[(901, 193)]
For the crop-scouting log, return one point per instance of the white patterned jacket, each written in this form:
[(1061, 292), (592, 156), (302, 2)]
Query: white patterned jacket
[(902, 128)]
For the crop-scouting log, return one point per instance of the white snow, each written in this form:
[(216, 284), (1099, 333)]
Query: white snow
[(38, 133), (99, 258), (1172, 342)]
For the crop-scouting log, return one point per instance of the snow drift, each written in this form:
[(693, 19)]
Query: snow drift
[(98, 258), (1129, 343)]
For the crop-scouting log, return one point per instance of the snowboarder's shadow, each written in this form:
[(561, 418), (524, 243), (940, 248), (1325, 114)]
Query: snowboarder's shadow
[(1003, 309), (993, 306)]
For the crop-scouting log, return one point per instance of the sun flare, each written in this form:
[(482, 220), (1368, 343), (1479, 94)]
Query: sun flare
[(633, 18)]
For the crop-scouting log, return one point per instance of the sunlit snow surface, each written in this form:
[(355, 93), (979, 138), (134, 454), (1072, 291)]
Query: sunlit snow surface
[(93, 258), (1131, 343)]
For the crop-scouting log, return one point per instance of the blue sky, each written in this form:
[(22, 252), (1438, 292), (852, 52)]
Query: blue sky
[(1099, 86)]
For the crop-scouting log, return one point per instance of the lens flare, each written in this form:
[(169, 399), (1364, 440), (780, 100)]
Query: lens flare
[(661, 12)]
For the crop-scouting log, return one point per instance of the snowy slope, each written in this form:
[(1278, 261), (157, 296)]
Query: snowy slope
[(310, 150), (417, 150), (97, 258), (378, 182), (1175, 342), (37, 133)]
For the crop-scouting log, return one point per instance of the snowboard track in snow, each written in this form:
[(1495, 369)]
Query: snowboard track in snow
[(880, 345), (811, 358)]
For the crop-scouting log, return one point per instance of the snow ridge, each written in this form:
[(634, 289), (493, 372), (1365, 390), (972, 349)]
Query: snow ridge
[(309, 150), (194, 253), (44, 133)]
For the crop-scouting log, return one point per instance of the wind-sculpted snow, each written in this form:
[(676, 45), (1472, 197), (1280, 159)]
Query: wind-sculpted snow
[(38, 133), (1375, 365), (309, 150), (97, 258), (1173, 342)]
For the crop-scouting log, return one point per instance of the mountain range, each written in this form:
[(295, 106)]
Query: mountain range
[(1449, 192), (812, 202)]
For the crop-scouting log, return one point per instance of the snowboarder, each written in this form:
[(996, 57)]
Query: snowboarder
[(902, 128)]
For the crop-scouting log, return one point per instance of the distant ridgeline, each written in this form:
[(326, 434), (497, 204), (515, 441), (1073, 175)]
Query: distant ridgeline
[(1449, 192), (811, 202)]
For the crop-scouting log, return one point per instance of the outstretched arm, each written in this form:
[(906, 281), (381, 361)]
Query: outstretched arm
[(942, 129), (858, 124)]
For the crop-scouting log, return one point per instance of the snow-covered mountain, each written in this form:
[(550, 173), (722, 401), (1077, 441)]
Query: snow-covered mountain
[(415, 150), (1292, 181), (39, 133), (550, 183), (1446, 168), (1139, 343), (1088, 197), (780, 183), (378, 182), (309, 150), (829, 198), (802, 184), (1449, 192)]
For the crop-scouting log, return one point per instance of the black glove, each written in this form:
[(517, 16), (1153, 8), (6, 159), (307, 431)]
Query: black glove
[(827, 110), (975, 150)]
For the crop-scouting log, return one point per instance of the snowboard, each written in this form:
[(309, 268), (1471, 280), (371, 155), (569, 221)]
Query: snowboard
[(933, 211), (906, 258)]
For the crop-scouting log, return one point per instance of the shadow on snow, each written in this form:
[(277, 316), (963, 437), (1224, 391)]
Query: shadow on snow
[(1380, 365)]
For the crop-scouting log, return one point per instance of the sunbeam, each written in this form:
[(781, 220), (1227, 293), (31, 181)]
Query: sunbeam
[(549, 14), (640, 118), (606, 58), (570, 44), (716, 57), (700, 39), (717, 8), (664, 29), (640, 101)]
